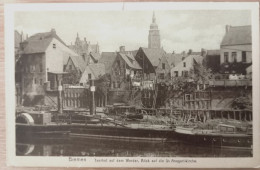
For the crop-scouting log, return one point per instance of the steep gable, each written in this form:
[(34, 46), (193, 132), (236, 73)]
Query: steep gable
[(174, 59), (130, 61), (237, 35), (154, 55), (107, 58), (96, 70)]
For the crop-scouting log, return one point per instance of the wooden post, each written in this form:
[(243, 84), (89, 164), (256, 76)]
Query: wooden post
[(60, 103), (240, 115), (92, 108)]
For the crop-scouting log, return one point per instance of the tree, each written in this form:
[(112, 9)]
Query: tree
[(188, 83), (72, 77), (103, 84)]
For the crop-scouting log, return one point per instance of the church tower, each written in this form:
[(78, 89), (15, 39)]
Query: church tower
[(154, 35)]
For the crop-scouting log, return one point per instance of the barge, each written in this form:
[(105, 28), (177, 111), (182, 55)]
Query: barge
[(225, 136), (91, 127)]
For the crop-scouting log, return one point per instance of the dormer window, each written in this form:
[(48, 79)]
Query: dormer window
[(54, 45)]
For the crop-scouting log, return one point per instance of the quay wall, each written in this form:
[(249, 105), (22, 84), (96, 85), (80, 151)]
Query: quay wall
[(223, 98)]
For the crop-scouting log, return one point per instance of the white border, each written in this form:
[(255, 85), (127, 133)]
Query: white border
[(9, 11)]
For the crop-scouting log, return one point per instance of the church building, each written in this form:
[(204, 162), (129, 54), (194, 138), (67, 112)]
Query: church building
[(154, 40)]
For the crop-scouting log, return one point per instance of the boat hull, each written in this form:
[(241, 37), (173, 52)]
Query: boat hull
[(241, 141), (121, 133), (93, 131)]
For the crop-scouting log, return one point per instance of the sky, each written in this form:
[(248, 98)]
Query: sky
[(180, 30)]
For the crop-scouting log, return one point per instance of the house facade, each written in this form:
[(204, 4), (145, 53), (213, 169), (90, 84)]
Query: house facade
[(183, 68), (149, 60), (125, 71), (163, 70), (42, 56), (92, 72), (236, 50)]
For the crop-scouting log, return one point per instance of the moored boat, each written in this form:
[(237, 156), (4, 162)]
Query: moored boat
[(224, 136)]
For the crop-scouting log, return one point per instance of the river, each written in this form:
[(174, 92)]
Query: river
[(112, 148)]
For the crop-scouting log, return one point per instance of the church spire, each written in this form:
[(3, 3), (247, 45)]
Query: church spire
[(154, 34), (154, 19)]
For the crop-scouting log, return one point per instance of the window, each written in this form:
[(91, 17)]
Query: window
[(176, 73), (226, 57), (184, 73), (54, 45), (40, 81), (89, 76), (161, 76), (184, 64), (243, 56), (41, 68), (114, 84), (163, 66), (234, 56), (35, 81), (32, 68)]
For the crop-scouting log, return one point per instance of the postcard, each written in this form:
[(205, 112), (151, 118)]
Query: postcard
[(162, 84)]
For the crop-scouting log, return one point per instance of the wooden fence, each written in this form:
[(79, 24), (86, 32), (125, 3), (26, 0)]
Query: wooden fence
[(75, 96)]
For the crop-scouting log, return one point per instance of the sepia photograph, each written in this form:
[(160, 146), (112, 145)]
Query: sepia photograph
[(125, 84)]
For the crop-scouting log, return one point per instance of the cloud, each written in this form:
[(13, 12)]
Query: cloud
[(180, 30)]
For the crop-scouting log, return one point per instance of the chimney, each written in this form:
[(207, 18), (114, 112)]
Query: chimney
[(183, 55), (85, 39), (203, 52), (122, 49), (190, 51), (22, 39), (53, 31), (227, 28)]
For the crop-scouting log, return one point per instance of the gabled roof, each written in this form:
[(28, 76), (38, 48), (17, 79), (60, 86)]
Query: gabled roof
[(174, 59), (79, 62), (237, 35), (38, 43), (154, 55), (97, 69), (45, 35), (127, 58), (96, 56), (35, 46), (190, 59), (107, 58), (197, 58)]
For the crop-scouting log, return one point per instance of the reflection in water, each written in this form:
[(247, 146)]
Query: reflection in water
[(88, 147)]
